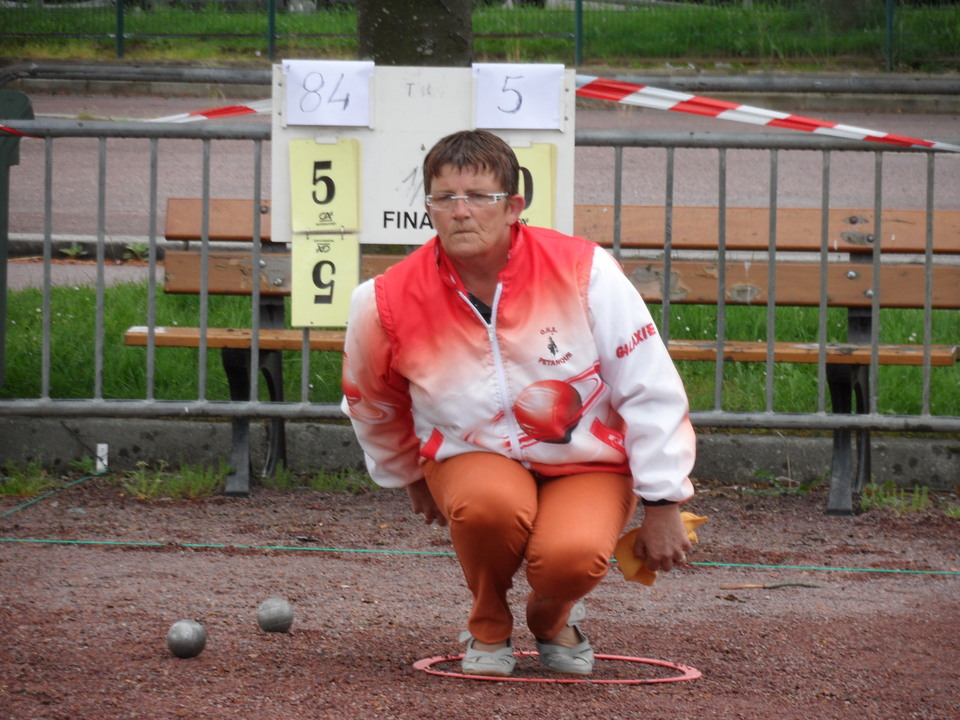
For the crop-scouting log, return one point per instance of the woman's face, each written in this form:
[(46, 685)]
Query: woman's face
[(473, 233)]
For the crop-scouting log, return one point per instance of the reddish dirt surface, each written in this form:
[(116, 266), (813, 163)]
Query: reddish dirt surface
[(85, 620)]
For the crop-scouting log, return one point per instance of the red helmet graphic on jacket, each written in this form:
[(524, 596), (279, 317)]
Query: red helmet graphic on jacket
[(549, 410)]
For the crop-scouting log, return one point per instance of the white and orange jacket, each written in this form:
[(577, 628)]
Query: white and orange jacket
[(570, 375)]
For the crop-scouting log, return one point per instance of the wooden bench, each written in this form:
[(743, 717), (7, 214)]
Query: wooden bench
[(693, 281), (849, 280)]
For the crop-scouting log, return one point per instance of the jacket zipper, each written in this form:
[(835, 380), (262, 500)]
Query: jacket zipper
[(513, 429)]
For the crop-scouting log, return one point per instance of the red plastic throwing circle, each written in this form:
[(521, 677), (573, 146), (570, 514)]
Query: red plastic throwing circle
[(687, 673)]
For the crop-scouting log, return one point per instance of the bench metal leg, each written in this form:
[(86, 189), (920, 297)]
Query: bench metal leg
[(861, 383), (840, 501), (238, 481), (847, 383), (271, 366), (850, 384), (236, 364)]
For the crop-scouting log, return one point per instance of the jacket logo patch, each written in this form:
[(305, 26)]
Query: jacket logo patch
[(556, 356)]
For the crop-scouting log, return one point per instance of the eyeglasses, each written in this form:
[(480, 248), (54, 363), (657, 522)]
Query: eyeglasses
[(473, 200)]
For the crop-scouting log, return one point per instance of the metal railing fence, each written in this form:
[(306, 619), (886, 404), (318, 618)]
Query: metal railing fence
[(881, 34), (100, 404)]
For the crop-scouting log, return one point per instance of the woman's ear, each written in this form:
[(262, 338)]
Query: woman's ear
[(515, 205)]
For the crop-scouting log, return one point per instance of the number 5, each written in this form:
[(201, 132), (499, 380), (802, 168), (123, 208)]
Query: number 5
[(519, 99), (318, 167), (322, 268)]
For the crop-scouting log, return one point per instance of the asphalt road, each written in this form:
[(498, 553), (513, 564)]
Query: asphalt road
[(75, 166)]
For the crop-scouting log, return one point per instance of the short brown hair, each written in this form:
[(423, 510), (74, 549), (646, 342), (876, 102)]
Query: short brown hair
[(478, 150)]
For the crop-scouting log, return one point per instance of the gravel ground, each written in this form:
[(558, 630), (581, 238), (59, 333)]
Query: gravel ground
[(858, 618)]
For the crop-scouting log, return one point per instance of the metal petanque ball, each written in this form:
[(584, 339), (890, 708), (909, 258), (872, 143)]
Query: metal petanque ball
[(275, 615), (186, 638)]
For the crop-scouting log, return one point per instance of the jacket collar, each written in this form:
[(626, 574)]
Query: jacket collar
[(449, 275)]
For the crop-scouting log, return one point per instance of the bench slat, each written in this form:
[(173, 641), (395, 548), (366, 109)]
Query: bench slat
[(229, 219), (320, 340), (798, 229), (745, 351), (836, 353), (228, 273), (798, 283)]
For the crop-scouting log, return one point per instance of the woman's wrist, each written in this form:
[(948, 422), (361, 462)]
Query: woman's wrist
[(656, 503)]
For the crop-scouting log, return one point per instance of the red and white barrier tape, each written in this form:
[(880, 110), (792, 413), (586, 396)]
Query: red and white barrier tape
[(260, 106), (11, 131), (659, 99), (618, 91)]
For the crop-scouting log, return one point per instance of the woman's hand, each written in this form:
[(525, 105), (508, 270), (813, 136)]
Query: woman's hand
[(424, 504), (662, 540)]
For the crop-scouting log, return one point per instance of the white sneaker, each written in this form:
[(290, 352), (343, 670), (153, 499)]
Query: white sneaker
[(496, 663), (576, 660)]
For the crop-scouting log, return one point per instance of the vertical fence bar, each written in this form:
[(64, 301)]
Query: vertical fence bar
[(875, 289), (824, 263), (101, 259), (928, 288), (721, 279), (204, 271), (772, 277), (305, 353), (668, 244), (152, 271), (45, 350), (617, 199), (305, 366), (255, 309)]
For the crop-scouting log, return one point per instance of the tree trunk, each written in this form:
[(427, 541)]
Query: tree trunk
[(416, 32)]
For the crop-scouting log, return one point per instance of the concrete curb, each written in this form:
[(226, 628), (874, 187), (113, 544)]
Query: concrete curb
[(733, 459)]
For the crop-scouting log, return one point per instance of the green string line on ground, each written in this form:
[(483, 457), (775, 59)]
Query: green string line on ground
[(827, 568), (430, 553), (48, 494)]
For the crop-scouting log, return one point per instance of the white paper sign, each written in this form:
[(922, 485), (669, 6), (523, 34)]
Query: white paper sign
[(411, 109), (518, 96), (328, 92), (325, 271)]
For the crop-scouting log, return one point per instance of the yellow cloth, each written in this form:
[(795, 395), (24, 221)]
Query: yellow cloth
[(635, 569)]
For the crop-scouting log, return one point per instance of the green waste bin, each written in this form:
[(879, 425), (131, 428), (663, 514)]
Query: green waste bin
[(13, 106)]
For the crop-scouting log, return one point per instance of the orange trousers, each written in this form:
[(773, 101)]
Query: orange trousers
[(501, 515)]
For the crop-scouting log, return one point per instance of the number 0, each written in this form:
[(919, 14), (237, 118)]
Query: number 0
[(527, 178)]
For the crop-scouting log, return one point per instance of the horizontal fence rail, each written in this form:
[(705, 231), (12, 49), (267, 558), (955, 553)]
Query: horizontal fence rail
[(51, 132), (692, 83)]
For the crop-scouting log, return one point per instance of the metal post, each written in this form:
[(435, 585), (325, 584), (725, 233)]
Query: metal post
[(617, 198), (578, 33), (12, 105), (271, 29), (120, 29), (721, 279), (889, 48)]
